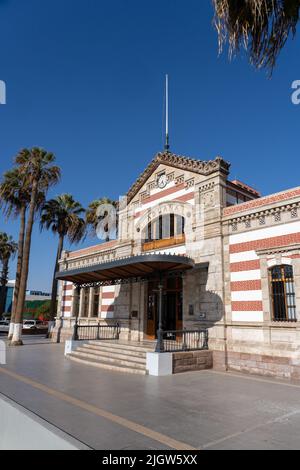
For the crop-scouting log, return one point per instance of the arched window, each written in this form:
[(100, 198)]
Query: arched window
[(165, 226), (283, 293)]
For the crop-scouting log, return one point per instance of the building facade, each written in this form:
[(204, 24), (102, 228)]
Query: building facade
[(31, 296), (243, 283)]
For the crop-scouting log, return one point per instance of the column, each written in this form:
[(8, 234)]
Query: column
[(81, 303), (75, 302), (91, 302)]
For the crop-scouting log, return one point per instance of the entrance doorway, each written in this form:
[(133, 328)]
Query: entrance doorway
[(172, 306)]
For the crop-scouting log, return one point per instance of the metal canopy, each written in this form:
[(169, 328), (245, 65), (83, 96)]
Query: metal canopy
[(120, 269)]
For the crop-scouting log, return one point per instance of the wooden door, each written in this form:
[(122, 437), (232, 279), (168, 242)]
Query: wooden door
[(172, 306)]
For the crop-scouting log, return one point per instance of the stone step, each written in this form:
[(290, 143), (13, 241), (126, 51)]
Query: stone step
[(109, 350), (121, 345), (113, 358), (107, 365)]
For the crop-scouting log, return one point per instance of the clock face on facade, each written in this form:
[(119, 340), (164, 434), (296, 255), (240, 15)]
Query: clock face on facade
[(162, 181)]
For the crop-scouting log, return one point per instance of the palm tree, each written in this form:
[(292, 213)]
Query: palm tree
[(14, 199), (8, 248), (100, 220), (38, 173), (62, 216), (263, 25)]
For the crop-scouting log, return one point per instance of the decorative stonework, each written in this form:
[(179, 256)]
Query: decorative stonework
[(277, 217), (179, 180), (294, 213), (290, 249), (209, 199), (180, 162), (207, 187), (153, 183), (266, 217), (262, 220), (90, 260), (190, 183)]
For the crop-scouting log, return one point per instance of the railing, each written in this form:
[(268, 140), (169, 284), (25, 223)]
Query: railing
[(182, 340), (96, 332), (163, 243)]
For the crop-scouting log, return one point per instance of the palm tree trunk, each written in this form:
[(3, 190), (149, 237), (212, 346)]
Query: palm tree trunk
[(19, 270), (55, 287), (4, 276), (16, 339)]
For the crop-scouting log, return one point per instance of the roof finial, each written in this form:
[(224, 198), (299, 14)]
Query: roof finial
[(167, 146)]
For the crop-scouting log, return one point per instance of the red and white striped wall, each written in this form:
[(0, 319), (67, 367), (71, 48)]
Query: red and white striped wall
[(172, 194), (245, 274), (107, 302), (66, 300)]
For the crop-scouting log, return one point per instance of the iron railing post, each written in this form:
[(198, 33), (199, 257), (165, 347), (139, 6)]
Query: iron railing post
[(205, 344), (117, 328), (98, 331), (184, 344), (160, 341), (75, 330)]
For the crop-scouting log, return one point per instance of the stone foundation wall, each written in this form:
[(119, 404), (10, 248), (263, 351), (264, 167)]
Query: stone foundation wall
[(281, 367), (192, 360), (270, 366)]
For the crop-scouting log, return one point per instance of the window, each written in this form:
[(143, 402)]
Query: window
[(283, 293), (164, 227)]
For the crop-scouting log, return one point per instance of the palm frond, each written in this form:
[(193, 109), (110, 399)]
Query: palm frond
[(262, 27)]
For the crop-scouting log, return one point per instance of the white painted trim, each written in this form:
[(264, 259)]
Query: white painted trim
[(246, 295), (283, 260), (168, 197), (248, 316), (251, 275), (108, 288), (243, 256), (17, 332), (11, 329), (107, 301), (269, 232), (159, 364)]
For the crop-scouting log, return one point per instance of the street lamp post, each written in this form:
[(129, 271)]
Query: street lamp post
[(160, 340)]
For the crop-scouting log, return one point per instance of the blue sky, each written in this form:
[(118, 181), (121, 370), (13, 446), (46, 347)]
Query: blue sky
[(85, 80)]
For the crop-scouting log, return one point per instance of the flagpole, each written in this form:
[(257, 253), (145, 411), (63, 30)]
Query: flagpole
[(167, 146)]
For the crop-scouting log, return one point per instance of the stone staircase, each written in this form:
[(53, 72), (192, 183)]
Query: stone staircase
[(118, 356)]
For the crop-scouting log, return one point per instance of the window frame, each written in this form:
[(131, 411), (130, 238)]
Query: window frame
[(286, 281)]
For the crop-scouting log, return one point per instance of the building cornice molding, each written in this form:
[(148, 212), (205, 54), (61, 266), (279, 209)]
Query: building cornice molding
[(262, 202), (291, 249), (262, 216)]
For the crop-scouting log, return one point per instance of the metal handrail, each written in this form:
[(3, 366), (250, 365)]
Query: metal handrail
[(96, 332), (182, 340)]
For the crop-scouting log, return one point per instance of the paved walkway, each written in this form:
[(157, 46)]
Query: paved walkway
[(108, 410)]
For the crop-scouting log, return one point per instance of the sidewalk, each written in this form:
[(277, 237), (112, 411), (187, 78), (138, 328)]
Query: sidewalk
[(108, 410)]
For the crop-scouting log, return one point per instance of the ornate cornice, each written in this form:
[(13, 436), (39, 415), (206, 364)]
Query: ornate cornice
[(266, 212), (181, 162), (282, 249), (267, 217)]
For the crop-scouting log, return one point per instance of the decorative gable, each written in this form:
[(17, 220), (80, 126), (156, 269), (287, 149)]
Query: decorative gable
[(179, 162)]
